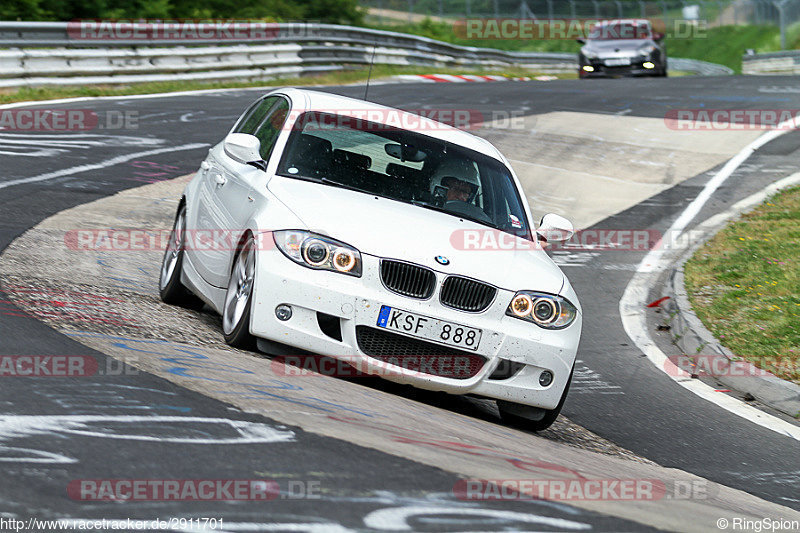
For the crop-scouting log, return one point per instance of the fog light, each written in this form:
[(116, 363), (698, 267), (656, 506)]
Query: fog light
[(588, 68), (648, 64), (284, 313), (545, 378)]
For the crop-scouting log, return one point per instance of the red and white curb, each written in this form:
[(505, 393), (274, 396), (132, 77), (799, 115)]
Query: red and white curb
[(463, 78)]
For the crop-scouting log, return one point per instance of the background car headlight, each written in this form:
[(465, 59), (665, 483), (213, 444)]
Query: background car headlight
[(318, 252), (545, 310), (647, 50), (588, 54)]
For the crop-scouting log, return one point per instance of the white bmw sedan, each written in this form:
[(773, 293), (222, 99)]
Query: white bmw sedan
[(368, 234)]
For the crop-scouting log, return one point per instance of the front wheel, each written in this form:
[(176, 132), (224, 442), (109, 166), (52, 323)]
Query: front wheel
[(239, 298), (509, 412)]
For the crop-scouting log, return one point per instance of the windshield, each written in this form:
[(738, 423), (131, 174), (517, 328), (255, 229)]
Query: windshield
[(403, 166), (620, 30)]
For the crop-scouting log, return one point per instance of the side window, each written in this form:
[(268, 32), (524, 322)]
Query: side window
[(253, 116), (269, 130)]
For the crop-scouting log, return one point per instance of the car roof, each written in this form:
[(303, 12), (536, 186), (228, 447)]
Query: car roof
[(310, 100)]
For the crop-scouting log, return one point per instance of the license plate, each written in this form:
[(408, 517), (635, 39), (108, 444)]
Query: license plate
[(617, 62), (429, 328)]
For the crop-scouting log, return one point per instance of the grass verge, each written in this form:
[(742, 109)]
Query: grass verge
[(354, 75), (744, 284)]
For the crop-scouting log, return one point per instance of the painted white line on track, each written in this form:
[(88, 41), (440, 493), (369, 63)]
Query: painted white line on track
[(103, 164), (634, 299), (139, 96)]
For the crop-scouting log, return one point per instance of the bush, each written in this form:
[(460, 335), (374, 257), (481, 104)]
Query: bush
[(332, 11)]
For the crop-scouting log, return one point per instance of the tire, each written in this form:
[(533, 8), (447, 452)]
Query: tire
[(550, 415), (170, 288), (239, 298)]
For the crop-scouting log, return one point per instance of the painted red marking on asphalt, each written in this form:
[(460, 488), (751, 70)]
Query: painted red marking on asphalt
[(433, 77), (658, 302)]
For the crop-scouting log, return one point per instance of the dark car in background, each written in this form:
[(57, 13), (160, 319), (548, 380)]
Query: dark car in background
[(625, 47)]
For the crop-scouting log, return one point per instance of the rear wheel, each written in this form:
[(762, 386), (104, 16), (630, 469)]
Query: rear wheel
[(171, 289), (239, 298), (511, 413)]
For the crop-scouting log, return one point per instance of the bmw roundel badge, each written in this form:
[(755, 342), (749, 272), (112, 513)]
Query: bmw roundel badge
[(442, 260)]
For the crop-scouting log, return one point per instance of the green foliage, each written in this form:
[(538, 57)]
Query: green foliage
[(726, 44), (332, 11)]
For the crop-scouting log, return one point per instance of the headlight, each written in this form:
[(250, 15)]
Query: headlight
[(318, 252), (647, 49), (588, 54), (545, 310)]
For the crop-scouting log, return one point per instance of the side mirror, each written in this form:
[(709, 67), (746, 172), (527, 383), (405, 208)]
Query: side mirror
[(555, 228), (581, 41), (244, 148)]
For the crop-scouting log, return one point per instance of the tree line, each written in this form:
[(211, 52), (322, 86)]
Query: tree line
[(330, 11)]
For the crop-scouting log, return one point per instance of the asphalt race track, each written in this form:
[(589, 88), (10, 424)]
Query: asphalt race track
[(125, 423)]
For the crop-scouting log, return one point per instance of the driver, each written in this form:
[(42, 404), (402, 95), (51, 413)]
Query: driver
[(459, 177), (458, 190)]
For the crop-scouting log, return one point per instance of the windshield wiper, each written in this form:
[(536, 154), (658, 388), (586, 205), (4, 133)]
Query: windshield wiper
[(434, 207), (328, 181)]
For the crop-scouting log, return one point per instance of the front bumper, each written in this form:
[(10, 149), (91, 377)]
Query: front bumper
[(601, 70), (357, 302)]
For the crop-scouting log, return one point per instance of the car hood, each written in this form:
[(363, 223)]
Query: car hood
[(617, 46), (387, 228)]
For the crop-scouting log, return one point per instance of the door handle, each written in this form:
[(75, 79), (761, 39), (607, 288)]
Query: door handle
[(219, 179)]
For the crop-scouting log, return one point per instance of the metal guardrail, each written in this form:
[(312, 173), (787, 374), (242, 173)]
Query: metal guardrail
[(41, 53), (787, 62), (703, 68)]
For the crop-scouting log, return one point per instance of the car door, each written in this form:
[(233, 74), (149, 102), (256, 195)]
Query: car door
[(239, 200), (225, 203)]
